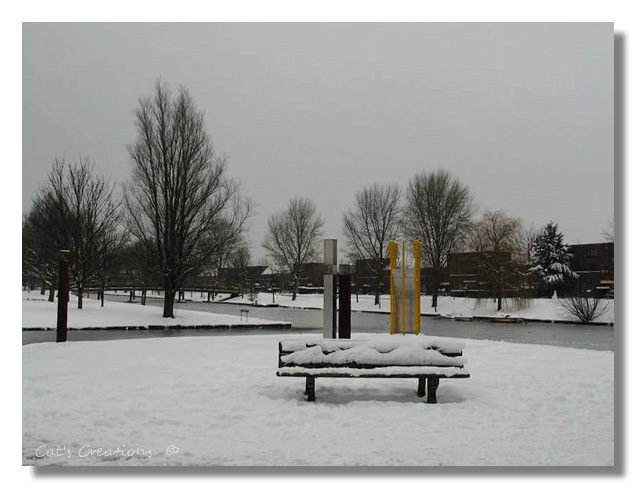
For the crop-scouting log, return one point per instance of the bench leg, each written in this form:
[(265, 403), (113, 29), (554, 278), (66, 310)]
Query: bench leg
[(421, 387), (431, 394), (310, 388)]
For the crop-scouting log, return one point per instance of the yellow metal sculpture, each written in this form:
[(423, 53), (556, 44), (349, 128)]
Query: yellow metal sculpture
[(405, 288)]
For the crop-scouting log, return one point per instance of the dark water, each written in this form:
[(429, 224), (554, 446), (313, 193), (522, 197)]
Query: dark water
[(303, 321)]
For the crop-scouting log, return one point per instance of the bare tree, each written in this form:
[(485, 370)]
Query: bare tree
[(527, 241), (220, 259), (370, 225), (40, 252), (438, 212), (95, 236), (75, 210), (292, 237), (496, 238), (182, 206), (273, 269), (240, 261), (135, 269)]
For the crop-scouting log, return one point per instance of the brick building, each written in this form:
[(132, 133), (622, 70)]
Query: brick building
[(473, 274), (365, 280), (594, 265), (465, 274), (311, 274)]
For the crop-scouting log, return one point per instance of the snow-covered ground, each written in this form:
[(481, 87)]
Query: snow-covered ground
[(535, 309), (542, 309), (217, 401), (38, 313), (193, 296)]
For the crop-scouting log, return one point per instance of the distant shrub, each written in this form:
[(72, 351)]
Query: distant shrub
[(583, 308)]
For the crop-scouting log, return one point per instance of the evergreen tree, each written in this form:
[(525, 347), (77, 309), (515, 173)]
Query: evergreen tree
[(550, 257)]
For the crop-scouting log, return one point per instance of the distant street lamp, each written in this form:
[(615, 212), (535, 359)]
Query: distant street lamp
[(63, 287)]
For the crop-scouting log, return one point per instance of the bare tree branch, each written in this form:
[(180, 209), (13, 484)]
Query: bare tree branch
[(74, 210), (292, 237), (438, 212), (182, 207), (370, 225), (496, 237)]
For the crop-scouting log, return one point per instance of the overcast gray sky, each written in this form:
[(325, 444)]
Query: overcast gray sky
[(521, 113)]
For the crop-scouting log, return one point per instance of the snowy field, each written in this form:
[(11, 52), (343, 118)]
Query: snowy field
[(217, 401), (39, 313)]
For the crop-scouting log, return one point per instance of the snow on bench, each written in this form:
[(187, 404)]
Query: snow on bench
[(426, 358)]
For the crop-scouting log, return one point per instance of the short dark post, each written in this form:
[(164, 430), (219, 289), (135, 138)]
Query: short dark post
[(63, 286), (431, 394), (310, 389), (344, 302), (421, 387)]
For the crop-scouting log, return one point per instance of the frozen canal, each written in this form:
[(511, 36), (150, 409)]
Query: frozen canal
[(577, 336)]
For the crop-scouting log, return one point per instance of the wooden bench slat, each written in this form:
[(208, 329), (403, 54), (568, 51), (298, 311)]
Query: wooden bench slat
[(382, 372), (355, 365)]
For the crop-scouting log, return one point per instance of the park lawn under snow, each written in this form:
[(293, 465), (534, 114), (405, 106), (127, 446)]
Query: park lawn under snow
[(535, 309), (542, 309), (38, 313), (218, 401), (192, 296)]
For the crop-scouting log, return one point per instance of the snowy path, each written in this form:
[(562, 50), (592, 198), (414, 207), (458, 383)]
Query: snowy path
[(218, 400)]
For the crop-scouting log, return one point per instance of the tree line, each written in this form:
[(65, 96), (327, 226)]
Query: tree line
[(182, 215), (437, 209)]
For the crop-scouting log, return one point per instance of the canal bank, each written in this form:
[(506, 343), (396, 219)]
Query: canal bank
[(310, 321)]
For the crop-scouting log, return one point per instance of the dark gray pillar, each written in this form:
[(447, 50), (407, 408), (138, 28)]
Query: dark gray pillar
[(344, 302)]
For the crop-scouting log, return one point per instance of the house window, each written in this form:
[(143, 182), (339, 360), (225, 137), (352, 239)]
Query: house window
[(591, 252)]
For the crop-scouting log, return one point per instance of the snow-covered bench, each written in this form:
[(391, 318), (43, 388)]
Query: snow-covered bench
[(424, 358)]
